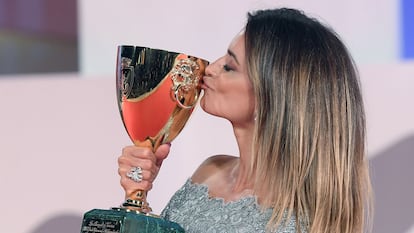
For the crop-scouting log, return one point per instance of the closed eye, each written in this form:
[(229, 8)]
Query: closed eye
[(227, 68)]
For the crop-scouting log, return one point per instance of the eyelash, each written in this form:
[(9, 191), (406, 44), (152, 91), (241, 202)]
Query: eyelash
[(227, 68)]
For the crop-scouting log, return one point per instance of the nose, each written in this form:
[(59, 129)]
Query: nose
[(211, 69)]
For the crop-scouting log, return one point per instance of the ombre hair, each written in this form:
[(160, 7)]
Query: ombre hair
[(310, 125)]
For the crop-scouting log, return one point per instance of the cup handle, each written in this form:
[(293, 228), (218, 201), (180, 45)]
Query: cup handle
[(178, 99)]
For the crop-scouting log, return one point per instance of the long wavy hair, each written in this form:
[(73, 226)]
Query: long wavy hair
[(310, 125)]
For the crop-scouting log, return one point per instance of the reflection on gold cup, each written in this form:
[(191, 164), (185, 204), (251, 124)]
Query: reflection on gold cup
[(156, 92)]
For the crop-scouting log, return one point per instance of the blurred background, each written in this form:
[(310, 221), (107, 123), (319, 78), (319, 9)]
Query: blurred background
[(39, 36), (60, 130)]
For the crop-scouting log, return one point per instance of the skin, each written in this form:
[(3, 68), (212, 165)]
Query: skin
[(227, 93)]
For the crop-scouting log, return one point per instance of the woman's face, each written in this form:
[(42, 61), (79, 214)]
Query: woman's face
[(228, 91)]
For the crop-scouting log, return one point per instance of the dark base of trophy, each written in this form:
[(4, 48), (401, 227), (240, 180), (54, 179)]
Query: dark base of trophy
[(119, 220)]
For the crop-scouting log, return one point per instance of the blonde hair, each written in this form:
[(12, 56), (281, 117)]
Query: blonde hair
[(310, 126)]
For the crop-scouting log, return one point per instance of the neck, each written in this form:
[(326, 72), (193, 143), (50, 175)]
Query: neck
[(239, 173)]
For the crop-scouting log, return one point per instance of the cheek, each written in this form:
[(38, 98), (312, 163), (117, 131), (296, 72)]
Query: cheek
[(243, 101)]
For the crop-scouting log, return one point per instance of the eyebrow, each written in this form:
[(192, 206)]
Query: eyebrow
[(232, 54)]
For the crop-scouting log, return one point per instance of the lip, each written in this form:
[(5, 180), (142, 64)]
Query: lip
[(204, 85)]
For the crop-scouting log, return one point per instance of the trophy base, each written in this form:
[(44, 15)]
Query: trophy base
[(118, 220)]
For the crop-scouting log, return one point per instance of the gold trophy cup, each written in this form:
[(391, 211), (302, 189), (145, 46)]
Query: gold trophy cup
[(156, 91)]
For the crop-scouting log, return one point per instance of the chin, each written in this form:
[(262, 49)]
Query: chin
[(203, 104)]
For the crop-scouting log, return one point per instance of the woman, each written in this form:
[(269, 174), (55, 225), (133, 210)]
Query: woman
[(291, 92)]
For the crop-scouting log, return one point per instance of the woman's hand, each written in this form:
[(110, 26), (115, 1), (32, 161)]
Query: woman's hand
[(144, 158)]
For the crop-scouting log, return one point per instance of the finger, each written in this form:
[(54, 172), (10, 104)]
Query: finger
[(145, 183), (125, 164), (129, 160), (147, 175), (138, 152), (161, 153)]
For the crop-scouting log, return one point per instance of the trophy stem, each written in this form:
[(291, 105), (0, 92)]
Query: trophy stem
[(137, 201)]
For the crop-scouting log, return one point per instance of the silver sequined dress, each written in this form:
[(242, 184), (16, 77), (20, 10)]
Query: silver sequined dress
[(196, 212)]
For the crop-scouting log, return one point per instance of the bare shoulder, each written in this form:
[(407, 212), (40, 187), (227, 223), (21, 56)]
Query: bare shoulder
[(212, 166)]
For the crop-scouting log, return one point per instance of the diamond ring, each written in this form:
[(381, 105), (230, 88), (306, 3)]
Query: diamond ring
[(135, 174)]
